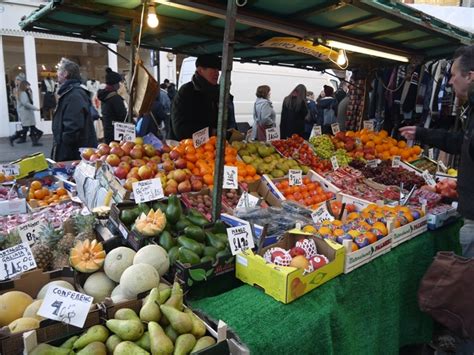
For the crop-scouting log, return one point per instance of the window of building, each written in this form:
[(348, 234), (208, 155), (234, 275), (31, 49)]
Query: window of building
[(14, 56)]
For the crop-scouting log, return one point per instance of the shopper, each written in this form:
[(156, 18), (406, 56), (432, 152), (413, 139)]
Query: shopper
[(326, 109), (171, 91), (311, 117), (72, 123), (263, 114), (293, 113), (153, 121), (112, 105), (342, 102), (26, 113)]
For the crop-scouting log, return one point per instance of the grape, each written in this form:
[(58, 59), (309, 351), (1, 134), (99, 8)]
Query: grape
[(342, 158), (323, 146)]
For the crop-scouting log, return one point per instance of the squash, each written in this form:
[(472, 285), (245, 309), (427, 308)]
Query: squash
[(87, 256), (151, 224)]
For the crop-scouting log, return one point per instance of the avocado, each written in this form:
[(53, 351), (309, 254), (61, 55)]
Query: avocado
[(196, 233), (166, 240), (191, 244), (187, 256), (173, 210), (173, 254)]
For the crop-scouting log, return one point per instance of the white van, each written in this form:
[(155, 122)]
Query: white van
[(246, 77)]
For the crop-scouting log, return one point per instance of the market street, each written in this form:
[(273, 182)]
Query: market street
[(10, 153)]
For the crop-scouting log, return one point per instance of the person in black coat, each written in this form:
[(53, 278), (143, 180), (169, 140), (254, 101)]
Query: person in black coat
[(112, 105), (293, 113), (72, 122), (326, 109)]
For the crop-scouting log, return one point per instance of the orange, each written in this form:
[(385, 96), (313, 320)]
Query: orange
[(416, 149), (42, 203), (190, 149), (191, 157), (229, 159), (36, 185), (209, 147), (31, 195), (252, 171), (386, 156), (190, 165), (39, 194), (196, 171), (61, 191), (65, 197), (242, 172), (394, 150), (208, 179), (383, 133), (405, 154), (188, 142), (402, 144), (370, 144)]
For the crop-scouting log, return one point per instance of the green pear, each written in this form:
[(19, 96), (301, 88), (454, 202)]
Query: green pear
[(162, 286), (199, 329), (126, 314), (95, 348), (129, 348), (126, 329), (150, 310), (46, 349), (184, 344), (176, 298), (203, 343), (144, 341), (171, 333), (180, 321), (112, 342), (252, 148), (164, 295), (94, 333), (68, 344), (160, 344)]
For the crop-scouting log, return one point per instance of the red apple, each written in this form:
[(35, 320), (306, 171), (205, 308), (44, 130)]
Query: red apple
[(103, 158), (174, 154), (117, 151), (136, 153), (184, 186), (180, 163), (103, 149), (196, 185), (152, 165), (87, 153), (113, 160), (297, 251), (120, 172), (126, 158), (179, 175), (166, 148), (114, 144), (145, 172), (127, 147), (168, 165), (149, 150), (165, 156), (125, 165), (138, 162), (172, 182), (129, 182), (94, 157), (156, 159), (170, 190), (133, 174)]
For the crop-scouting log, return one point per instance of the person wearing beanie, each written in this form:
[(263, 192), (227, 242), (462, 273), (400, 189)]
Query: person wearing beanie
[(326, 109), (112, 105)]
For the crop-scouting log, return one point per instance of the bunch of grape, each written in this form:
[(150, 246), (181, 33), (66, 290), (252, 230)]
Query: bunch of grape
[(323, 146), (342, 158)]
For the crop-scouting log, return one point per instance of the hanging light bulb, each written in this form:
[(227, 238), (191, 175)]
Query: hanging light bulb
[(152, 19), (341, 58)]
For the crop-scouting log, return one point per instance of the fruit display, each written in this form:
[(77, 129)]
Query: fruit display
[(309, 194), (7, 193), (322, 146), (87, 256), (151, 224), (6, 178), (45, 193), (447, 188)]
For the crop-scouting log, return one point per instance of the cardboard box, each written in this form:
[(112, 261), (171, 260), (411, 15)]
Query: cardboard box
[(438, 217), (233, 221), (408, 231), (359, 203), (31, 164), (13, 207), (286, 284), (356, 259), (260, 189)]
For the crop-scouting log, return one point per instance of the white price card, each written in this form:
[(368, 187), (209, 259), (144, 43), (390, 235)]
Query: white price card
[(200, 137), (316, 131), (65, 305), (372, 163), (321, 214), (334, 162), (335, 128), (295, 177), (147, 190), (10, 169), (16, 260), (247, 200), (230, 178), (240, 238), (29, 231), (442, 166), (428, 178), (369, 125), (396, 161), (124, 132), (272, 134), (431, 153)]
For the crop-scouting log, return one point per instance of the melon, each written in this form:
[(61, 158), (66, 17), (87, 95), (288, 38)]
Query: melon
[(117, 261), (120, 291), (60, 283), (99, 286), (32, 310), (155, 256), (139, 278), (23, 324), (12, 306), (87, 256)]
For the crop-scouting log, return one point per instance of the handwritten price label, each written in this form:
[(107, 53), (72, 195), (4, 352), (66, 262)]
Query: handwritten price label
[(124, 132), (200, 137), (431, 153), (240, 238), (442, 166), (10, 169), (272, 134), (247, 200), (230, 180), (334, 162), (316, 131), (372, 163), (66, 306), (29, 231), (428, 178), (321, 214), (295, 177), (396, 161), (147, 190), (16, 260), (335, 128), (369, 125)]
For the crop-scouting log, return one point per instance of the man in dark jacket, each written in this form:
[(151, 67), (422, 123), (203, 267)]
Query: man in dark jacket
[(72, 123), (112, 106), (326, 109), (196, 105)]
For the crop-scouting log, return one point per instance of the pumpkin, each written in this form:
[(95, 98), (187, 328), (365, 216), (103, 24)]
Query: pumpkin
[(151, 224), (87, 256)]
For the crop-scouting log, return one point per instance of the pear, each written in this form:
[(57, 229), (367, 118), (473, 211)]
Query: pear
[(176, 298), (126, 314), (162, 286), (150, 310), (144, 341), (160, 344), (126, 329), (129, 348), (171, 333), (94, 348), (164, 295), (46, 349), (184, 344), (68, 344), (203, 343), (112, 342), (94, 333), (180, 321), (199, 329)]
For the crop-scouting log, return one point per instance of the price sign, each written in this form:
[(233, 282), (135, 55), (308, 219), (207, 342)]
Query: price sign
[(442, 166), (369, 125), (230, 178), (272, 134), (396, 161), (335, 128), (10, 169), (334, 162), (295, 177), (147, 190), (124, 132), (29, 231), (200, 137), (321, 214), (16, 260), (316, 131), (372, 163), (428, 178), (240, 238), (431, 153), (66, 306), (247, 200)]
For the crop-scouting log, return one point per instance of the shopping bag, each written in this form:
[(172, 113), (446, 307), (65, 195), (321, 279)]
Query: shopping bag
[(447, 293), (145, 89)]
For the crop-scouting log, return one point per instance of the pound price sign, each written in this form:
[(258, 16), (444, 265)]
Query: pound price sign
[(124, 132), (295, 177), (230, 178), (200, 137), (272, 134), (240, 238), (16, 260)]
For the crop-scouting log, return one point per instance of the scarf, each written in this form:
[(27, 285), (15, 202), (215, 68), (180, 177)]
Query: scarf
[(67, 85)]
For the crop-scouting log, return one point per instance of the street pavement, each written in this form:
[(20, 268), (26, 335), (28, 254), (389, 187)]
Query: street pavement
[(9, 153)]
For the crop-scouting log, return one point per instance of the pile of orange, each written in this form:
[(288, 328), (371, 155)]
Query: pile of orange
[(310, 194), (44, 196), (6, 178), (200, 161)]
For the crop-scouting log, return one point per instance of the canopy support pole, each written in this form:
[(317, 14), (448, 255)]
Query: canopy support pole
[(227, 56), (133, 43)]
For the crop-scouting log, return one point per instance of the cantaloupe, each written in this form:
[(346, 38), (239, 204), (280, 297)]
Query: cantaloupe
[(32, 310), (12, 306), (87, 256), (139, 278), (60, 283), (99, 286), (155, 256), (116, 261), (123, 293), (23, 324)]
